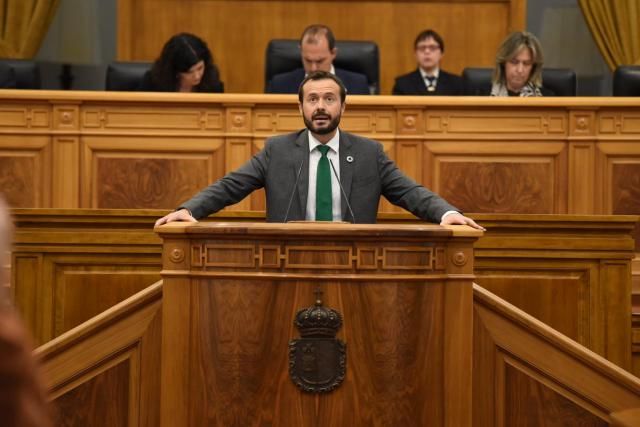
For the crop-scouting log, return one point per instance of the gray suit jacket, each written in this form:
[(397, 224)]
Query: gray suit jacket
[(369, 175)]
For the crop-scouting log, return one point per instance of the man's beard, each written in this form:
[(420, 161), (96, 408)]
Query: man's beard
[(330, 127)]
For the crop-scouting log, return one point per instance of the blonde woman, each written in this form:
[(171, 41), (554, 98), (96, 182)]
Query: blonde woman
[(518, 70)]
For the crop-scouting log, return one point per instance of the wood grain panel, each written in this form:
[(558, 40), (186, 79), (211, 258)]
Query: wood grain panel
[(237, 151), (544, 406), (82, 292), (137, 183), (472, 30), (66, 160), (625, 191), (253, 314), (532, 290), (495, 122), (25, 170), (494, 185), (101, 401)]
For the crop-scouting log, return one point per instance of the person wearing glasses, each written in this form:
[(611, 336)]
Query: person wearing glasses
[(428, 79)]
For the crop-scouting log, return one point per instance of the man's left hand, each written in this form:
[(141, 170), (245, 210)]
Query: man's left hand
[(459, 219)]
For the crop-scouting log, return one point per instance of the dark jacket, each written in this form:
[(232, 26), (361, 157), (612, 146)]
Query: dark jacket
[(147, 85), (413, 84), (289, 82)]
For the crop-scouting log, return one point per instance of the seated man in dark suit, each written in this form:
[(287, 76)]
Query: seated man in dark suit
[(428, 79), (318, 50), (7, 77)]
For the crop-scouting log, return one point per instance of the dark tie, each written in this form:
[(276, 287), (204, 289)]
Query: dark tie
[(431, 83), (323, 187)]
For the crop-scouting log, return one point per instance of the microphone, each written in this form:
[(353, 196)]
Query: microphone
[(293, 192), (333, 168)]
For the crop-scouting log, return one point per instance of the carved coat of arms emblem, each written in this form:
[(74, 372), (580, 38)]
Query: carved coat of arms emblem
[(317, 360)]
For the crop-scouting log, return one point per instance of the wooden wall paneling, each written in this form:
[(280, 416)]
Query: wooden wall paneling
[(619, 173), (26, 288), (237, 151), (67, 268), (617, 310), (105, 372), (584, 268), (581, 176), (66, 173), (472, 30), (84, 286), (141, 172), (531, 284), (499, 177), (25, 170)]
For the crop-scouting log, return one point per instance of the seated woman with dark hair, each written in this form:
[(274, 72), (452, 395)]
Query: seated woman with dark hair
[(518, 69), (185, 65)]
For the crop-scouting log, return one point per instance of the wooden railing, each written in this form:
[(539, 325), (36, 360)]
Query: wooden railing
[(526, 373), (106, 371)]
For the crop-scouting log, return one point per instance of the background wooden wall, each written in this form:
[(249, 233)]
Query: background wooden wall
[(238, 31)]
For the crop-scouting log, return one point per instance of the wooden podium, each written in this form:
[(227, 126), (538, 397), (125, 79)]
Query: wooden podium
[(232, 291)]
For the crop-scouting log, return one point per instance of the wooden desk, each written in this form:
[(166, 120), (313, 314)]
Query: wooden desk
[(62, 149)]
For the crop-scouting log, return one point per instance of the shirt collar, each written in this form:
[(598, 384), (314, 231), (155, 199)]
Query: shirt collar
[(423, 73), (334, 143)]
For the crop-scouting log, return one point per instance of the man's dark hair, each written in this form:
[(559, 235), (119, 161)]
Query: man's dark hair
[(322, 75), (314, 31), (429, 34)]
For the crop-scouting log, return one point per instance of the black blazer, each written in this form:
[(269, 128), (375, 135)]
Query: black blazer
[(147, 85), (289, 82), (413, 84)]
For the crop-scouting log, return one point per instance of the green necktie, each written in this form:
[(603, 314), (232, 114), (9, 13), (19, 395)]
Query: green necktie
[(323, 187)]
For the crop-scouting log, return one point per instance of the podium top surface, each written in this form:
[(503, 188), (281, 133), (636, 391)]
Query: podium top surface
[(333, 229)]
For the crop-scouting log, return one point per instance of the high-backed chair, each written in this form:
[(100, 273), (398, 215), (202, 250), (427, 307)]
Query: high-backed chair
[(561, 81), (26, 73), (477, 81), (626, 80), (126, 76), (362, 57)]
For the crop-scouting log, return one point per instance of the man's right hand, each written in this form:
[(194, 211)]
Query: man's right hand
[(181, 215)]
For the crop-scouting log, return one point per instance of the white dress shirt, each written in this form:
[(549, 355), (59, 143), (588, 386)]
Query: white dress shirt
[(334, 156)]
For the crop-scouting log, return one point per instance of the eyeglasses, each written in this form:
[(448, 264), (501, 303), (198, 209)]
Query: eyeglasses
[(427, 47)]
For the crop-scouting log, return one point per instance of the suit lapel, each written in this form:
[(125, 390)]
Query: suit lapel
[(419, 83), (302, 156), (347, 161)]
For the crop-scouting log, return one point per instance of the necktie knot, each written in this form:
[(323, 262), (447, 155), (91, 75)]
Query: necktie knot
[(324, 149)]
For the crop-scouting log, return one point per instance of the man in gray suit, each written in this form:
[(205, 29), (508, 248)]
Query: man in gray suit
[(321, 173)]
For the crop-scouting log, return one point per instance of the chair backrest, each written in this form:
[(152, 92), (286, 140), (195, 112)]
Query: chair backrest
[(626, 80), (477, 81), (126, 76), (362, 57), (562, 81), (26, 73)]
